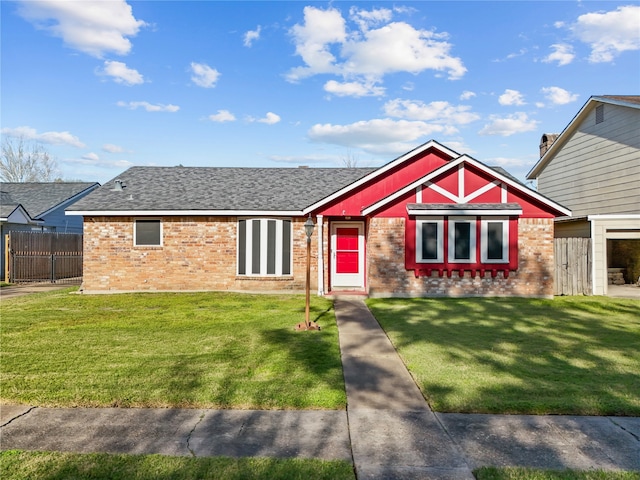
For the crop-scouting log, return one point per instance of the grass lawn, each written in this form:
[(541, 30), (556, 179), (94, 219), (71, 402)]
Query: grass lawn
[(201, 350), (569, 355), (18, 465), (492, 473)]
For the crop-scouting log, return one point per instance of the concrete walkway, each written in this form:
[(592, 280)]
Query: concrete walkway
[(388, 430)]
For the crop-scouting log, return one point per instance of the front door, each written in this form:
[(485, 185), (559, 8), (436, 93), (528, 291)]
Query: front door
[(347, 257)]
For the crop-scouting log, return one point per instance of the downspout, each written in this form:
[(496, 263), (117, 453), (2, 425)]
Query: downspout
[(320, 256)]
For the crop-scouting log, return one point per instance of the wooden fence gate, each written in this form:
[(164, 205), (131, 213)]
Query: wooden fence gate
[(44, 257), (573, 266)]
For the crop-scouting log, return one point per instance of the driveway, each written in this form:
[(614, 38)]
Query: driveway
[(26, 289)]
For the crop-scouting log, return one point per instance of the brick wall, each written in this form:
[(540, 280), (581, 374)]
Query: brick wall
[(387, 275), (198, 253)]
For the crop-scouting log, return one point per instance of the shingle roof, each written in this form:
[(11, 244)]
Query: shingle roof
[(7, 204), (38, 198), (219, 188), (635, 99)]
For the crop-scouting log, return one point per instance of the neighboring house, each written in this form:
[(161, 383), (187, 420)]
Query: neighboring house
[(429, 223), (39, 207), (593, 167)]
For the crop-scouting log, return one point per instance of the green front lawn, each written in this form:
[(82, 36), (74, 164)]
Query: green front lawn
[(18, 465), (493, 473), (569, 355), (200, 350)]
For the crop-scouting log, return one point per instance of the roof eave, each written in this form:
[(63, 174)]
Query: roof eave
[(184, 213), (537, 169)]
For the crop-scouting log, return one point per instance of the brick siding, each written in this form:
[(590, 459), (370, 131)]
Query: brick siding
[(387, 275), (198, 253)]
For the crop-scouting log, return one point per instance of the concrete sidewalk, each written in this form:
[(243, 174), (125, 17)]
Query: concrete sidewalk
[(388, 430)]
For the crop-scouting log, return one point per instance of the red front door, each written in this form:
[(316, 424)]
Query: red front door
[(347, 244)]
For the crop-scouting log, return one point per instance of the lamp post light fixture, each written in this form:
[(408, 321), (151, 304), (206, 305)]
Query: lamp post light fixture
[(309, 226)]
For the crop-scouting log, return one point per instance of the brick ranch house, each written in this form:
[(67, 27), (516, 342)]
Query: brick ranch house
[(429, 223)]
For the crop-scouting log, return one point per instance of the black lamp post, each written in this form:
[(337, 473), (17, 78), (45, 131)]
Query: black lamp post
[(309, 226)]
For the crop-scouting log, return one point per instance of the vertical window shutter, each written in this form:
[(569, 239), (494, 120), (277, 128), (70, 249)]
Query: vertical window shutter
[(255, 247), (286, 247), (271, 247), (242, 247)]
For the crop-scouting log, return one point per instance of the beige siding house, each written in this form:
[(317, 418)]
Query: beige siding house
[(593, 168)]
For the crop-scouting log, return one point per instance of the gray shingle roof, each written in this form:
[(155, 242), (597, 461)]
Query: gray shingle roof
[(219, 188), (37, 198), (463, 206)]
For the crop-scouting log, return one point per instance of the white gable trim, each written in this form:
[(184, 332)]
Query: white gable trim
[(411, 186), (499, 179), (381, 171)]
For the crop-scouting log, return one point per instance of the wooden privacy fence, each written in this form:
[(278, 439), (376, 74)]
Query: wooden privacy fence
[(44, 257), (573, 266)]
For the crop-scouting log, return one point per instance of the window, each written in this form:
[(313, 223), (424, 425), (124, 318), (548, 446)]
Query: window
[(147, 233), (264, 247), (462, 240), (495, 240), (430, 240)]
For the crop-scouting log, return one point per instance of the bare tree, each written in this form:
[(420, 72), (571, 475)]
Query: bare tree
[(26, 161), (349, 160)]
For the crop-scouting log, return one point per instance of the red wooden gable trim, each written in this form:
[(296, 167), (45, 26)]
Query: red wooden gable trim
[(465, 180)]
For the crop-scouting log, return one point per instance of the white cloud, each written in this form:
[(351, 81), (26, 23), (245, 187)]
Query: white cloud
[(437, 112), (377, 136), (91, 157), (111, 148), (562, 53), (92, 27), (506, 162), (398, 47), (369, 53), (149, 107), (93, 160), (559, 96), (252, 35), (511, 97), (609, 33), (270, 119), (121, 73), (353, 89), (467, 95), (369, 18), (321, 29), (506, 126), (222, 116), (204, 75), (51, 138)]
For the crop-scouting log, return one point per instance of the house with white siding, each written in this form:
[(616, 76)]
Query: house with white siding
[(593, 168)]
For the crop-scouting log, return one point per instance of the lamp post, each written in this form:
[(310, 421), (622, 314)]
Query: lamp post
[(308, 325)]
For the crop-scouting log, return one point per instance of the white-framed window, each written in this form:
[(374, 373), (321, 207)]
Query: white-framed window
[(264, 247), (430, 240), (462, 239), (494, 232), (147, 233)]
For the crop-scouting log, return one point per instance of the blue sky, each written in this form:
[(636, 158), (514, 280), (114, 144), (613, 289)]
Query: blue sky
[(110, 84)]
